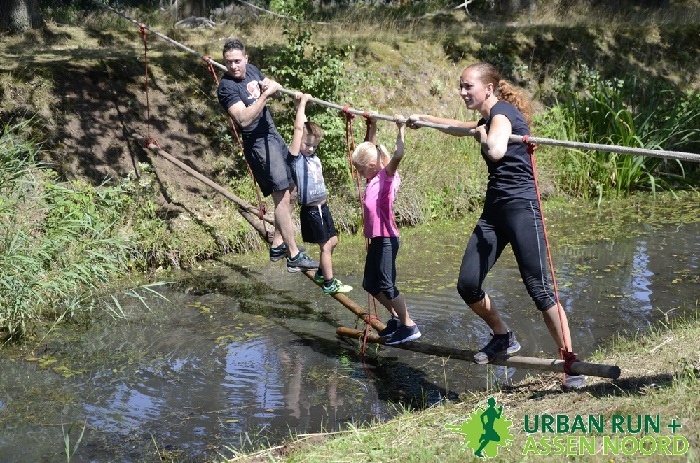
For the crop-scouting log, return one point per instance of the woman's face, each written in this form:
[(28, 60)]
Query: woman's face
[(472, 90)]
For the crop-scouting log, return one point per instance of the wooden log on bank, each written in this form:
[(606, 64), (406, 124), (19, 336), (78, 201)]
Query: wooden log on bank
[(530, 363), (247, 210)]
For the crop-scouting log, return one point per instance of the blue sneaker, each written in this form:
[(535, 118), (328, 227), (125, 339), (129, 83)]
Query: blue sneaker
[(403, 334), (318, 278), (391, 326)]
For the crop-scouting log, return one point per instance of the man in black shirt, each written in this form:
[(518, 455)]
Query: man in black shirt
[(243, 93)]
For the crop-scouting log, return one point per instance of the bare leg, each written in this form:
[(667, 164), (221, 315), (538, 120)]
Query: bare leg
[(283, 221), (397, 306), (488, 312), (326, 261), (558, 328)]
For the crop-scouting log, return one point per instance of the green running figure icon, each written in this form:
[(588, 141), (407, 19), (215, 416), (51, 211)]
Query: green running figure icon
[(491, 427)]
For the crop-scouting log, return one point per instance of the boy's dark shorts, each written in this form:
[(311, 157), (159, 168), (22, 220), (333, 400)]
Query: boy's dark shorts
[(317, 224), (267, 158)]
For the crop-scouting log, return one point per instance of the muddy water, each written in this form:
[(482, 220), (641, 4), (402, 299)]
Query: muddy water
[(235, 355)]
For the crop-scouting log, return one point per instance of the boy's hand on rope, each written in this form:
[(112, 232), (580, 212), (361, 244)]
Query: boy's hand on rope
[(301, 99)]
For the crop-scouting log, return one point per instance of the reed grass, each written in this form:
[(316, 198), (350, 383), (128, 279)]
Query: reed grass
[(56, 239)]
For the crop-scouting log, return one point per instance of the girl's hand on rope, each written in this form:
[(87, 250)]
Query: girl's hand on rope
[(400, 121)]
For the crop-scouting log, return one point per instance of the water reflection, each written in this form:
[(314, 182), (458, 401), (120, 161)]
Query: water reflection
[(235, 356)]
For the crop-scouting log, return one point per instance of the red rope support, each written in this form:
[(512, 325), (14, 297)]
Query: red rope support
[(149, 139), (262, 206), (564, 353), (350, 142)]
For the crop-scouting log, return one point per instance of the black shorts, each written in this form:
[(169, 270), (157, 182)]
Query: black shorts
[(317, 224), (267, 158)]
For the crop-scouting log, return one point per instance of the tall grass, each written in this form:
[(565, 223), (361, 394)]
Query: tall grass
[(623, 112), (57, 240)]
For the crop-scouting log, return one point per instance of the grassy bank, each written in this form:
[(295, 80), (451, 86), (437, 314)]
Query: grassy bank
[(660, 376)]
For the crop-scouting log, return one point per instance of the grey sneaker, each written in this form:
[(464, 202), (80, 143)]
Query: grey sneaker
[(498, 345), (391, 326), (403, 334), (572, 382), (301, 262), (278, 252)]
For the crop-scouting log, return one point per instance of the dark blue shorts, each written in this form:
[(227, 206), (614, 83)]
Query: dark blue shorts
[(317, 224), (267, 158)]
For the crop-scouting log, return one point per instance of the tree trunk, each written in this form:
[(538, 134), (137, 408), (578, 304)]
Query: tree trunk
[(20, 15), (197, 8)]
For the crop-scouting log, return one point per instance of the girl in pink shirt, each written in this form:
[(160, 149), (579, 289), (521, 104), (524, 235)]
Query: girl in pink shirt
[(373, 163)]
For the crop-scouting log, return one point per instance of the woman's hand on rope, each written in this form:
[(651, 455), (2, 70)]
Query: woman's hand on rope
[(480, 134)]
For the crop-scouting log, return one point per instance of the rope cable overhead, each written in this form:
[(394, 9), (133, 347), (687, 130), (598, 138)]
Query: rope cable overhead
[(331, 23), (679, 155)]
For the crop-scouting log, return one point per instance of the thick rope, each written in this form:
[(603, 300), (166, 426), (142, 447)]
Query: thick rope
[(149, 139), (339, 23), (350, 143), (679, 155)]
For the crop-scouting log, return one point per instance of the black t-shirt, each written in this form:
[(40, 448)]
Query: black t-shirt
[(510, 177), (247, 90)]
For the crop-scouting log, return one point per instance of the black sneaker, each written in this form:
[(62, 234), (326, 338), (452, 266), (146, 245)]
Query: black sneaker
[(278, 252), (403, 334), (301, 262), (499, 344), (391, 326)]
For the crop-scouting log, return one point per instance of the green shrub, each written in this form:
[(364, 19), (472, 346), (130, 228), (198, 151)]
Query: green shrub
[(622, 112)]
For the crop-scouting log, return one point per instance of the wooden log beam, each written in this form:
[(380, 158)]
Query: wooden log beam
[(243, 206), (531, 363), (353, 306)]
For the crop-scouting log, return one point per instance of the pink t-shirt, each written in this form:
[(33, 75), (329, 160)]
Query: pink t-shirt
[(378, 204)]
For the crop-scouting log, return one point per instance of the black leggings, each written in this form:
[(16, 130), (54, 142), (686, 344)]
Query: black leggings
[(518, 222)]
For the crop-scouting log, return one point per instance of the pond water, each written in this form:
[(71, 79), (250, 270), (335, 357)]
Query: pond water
[(235, 355)]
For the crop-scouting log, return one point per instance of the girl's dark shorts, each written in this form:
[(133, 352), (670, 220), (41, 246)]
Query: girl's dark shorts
[(380, 267), (317, 224)]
